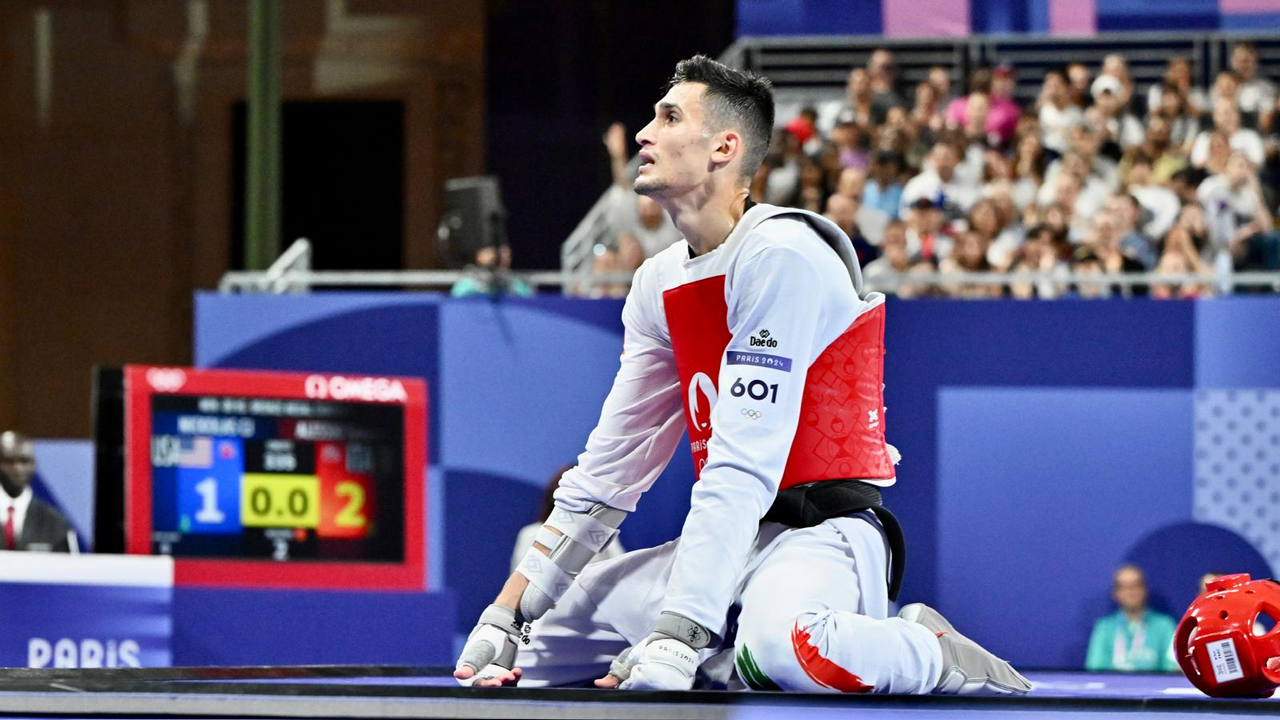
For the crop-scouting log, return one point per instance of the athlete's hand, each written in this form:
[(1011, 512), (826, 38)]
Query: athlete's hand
[(660, 662), (619, 669), (488, 657), (493, 676)]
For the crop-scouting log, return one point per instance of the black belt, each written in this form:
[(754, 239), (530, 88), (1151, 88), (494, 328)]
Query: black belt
[(812, 503)]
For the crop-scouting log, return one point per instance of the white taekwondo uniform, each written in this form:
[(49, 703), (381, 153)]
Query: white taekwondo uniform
[(766, 352)]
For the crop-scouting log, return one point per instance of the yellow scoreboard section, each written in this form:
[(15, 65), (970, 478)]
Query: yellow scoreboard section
[(277, 500)]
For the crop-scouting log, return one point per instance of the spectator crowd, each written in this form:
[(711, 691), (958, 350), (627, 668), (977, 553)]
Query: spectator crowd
[(1095, 177)]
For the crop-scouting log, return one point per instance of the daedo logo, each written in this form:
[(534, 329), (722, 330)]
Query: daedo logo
[(166, 380), (762, 339), (369, 389)]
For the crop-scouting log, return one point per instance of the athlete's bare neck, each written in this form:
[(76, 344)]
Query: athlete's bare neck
[(706, 216)]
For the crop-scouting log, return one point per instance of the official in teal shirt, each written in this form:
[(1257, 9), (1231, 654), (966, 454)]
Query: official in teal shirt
[(489, 276), (1135, 638)]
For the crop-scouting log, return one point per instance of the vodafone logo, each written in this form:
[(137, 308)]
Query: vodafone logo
[(369, 389), (702, 398), (166, 380)]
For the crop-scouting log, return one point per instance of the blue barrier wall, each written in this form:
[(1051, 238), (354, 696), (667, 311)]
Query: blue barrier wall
[(1043, 443), (225, 626)]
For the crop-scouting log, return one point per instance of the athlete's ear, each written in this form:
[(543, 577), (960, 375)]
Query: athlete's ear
[(728, 147)]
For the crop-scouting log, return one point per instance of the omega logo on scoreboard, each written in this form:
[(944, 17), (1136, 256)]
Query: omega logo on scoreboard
[(368, 389)]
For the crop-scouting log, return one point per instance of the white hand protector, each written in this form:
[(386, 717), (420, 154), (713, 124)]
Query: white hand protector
[(666, 660), (582, 536), (491, 648), (661, 663)]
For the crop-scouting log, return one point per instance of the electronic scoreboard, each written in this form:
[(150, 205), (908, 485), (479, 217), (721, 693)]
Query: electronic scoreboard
[(273, 479)]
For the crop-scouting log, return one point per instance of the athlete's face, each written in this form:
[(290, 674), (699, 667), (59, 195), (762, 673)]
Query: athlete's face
[(675, 150)]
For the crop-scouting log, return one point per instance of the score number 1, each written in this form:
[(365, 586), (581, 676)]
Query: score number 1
[(209, 514)]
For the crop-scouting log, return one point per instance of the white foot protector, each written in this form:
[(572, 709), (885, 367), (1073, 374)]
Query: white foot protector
[(967, 667)]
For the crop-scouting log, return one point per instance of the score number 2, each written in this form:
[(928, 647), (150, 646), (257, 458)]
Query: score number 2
[(351, 515)]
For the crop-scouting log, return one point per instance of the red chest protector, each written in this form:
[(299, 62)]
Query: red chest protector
[(841, 430)]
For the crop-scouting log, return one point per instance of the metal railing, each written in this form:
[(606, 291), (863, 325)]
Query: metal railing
[(1217, 284), (308, 280), (292, 274)]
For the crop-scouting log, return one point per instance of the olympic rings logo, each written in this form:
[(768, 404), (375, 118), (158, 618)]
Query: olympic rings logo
[(166, 380), (752, 414)]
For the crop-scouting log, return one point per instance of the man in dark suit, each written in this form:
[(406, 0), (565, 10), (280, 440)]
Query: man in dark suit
[(27, 523)]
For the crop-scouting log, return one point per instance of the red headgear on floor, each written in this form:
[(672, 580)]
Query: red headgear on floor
[(1216, 644)]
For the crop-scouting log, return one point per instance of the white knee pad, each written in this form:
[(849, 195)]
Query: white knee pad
[(582, 536)]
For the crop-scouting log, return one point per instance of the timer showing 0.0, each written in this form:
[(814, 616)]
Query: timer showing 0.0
[(280, 500)]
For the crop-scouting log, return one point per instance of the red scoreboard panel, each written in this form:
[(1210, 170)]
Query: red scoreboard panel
[(261, 479)]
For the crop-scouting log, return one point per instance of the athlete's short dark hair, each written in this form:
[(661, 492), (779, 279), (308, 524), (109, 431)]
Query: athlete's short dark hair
[(733, 98)]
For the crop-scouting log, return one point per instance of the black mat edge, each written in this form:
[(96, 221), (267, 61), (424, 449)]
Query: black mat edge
[(574, 696), (210, 681)]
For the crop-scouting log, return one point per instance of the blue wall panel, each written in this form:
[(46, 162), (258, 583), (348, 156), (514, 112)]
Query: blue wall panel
[(1042, 493), (1134, 23), (1069, 388), (1238, 343), (933, 344), (1037, 15), (542, 424), (1001, 16), (220, 626), (1164, 7), (1267, 22), (809, 17), (1121, 15)]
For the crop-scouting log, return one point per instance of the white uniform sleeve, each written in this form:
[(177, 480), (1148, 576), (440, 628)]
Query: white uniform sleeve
[(775, 295), (642, 418)]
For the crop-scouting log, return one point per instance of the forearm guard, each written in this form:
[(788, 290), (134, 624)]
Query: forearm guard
[(582, 536)]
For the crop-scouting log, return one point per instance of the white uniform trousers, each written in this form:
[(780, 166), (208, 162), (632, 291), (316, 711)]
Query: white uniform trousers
[(811, 617)]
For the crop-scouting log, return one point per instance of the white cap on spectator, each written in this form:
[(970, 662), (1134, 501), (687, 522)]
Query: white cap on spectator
[(1106, 83)]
